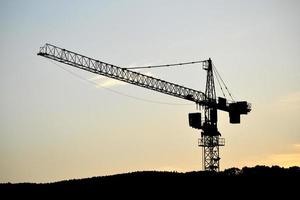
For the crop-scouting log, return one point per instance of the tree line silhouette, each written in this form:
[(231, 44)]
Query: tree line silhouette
[(247, 179)]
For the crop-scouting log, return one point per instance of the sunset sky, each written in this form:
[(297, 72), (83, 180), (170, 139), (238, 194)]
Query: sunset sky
[(55, 124)]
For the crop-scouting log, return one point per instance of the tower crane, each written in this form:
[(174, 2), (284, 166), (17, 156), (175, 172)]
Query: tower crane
[(206, 121)]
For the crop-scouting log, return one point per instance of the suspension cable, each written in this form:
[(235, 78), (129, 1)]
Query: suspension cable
[(167, 65), (219, 82), (223, 82)]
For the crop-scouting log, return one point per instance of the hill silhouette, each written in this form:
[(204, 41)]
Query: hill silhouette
[(256, 179)]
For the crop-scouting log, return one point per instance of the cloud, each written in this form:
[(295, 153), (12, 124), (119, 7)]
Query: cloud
[(285, 159), (291, 158), (102, 81), (297, 146), (148, 74), (110, 83), (289, 101)]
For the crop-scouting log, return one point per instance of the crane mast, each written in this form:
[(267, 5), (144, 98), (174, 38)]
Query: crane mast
[(210, 140), (210, 136)]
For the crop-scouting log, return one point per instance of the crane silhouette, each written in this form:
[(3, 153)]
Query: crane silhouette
[(206, 120)]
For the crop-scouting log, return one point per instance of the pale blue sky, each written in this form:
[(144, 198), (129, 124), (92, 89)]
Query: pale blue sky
[(55, 126)]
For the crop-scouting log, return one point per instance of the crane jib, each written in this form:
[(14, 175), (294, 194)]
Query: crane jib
[(122, 74)]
